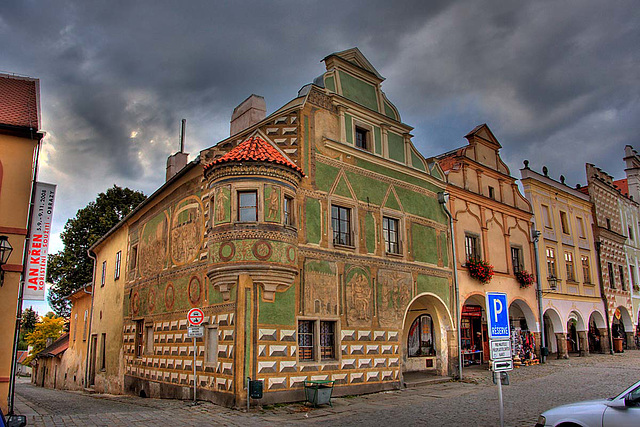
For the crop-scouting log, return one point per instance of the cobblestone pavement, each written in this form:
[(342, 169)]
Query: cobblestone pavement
[(473, 402)]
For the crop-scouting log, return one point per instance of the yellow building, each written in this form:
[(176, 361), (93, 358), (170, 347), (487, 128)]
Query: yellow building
[(19, 142), (574, 316)]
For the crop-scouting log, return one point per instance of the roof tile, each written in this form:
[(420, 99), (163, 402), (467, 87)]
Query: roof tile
[(19, 101), (255, 149)]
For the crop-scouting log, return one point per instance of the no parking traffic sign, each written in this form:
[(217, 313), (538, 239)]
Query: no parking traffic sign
[(195, 316)]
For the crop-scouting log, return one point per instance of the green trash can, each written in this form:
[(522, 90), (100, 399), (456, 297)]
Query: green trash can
[(318, 392)]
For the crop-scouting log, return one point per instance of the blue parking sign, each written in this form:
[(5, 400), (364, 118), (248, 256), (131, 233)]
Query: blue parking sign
[(498, 315)]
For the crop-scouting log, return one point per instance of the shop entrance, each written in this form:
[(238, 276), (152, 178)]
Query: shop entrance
[(596, 324), (620, 325), (474, 338), (523, 325), (573, 342), (553, 331)]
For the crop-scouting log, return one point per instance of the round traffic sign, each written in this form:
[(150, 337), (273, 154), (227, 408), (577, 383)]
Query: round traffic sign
[(195, 316)]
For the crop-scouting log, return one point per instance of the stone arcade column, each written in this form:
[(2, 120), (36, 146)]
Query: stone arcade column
[(604, 340), (561, 339), (537, 338), (631, 344), (584, 343)]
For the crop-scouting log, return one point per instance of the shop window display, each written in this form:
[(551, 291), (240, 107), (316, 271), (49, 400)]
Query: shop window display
[(420, 341)]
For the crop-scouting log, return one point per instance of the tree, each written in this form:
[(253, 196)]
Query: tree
[(45, 332), (71, 268), (27, 325)]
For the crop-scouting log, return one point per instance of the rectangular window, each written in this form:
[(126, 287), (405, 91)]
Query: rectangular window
[(327, 341), (564, 222), (118, 260), (362, 138), (86, 319), (341, 224), (632, 275), (247, 206), (586, 271), (103, 352), (546, 216), (612, 279), (148, 348), (75, 326), (630, 233), (104, 273), (139, 338), (516, 259), (471, 249), (581, 227), (211, 349), (551, 262), (608, 224), (568, 261), (288, 210), (305, 339), (622, 283), (492, 193), (390, 231), (133, 258)]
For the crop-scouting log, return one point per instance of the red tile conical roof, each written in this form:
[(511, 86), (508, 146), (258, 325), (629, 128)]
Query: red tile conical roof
[(255, 149)]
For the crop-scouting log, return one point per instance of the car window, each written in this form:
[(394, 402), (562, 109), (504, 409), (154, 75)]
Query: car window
[(634, 394)]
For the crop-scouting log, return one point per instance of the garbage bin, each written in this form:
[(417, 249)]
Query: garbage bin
[(318, 392), (618, 344)]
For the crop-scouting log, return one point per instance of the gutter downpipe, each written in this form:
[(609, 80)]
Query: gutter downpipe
[(536, 235), (443, 199), (93, 292), (604, 298)]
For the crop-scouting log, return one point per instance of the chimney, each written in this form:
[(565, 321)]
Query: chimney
[(248, 113), (177, 161)]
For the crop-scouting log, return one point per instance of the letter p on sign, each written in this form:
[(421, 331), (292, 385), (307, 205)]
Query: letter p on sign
[(498, 315)]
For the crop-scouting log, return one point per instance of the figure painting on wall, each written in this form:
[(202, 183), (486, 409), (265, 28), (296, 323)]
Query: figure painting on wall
[(359, 294), (220, 203), (274, 203)]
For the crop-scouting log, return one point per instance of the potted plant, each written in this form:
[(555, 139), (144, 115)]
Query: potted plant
[(480, 270), (525, 278)]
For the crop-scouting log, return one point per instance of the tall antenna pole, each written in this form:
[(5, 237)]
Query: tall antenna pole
[(182, 132)]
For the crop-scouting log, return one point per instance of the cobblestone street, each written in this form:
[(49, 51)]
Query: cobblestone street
[(473, 402)]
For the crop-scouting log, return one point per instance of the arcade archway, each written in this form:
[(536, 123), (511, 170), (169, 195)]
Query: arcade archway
[(597, 325)]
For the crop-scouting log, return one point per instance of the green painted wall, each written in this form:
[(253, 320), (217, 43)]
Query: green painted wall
[(342, 189), (325, 176), (307, 145), (436, 173), (425, 247), (370, 232), (329, 83), (348, 126), (388, 111), (313, 220), (396, 147), (410, 179), (435, 285), (426, 207), (358, 91), (365, 187), (417, 161), (282, 311), (377, 137), (444, 244), (392, 202)]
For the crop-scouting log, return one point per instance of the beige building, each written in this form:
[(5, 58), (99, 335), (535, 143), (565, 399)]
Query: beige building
[(492, 222), (574, 316), (19, 142)]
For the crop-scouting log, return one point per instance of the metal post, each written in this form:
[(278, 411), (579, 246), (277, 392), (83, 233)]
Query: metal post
[(248, 385), (500, 398), (194, 371), (536, 236)]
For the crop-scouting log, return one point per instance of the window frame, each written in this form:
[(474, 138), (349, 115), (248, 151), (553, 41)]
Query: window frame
[(433, 339), (519, 256), (546, 216), (569, 266), (550, 253), (148, 349), (581, 230), (138, 340), (240, 207), (350, 242), (316, 336), (103, 351), (472, 252), (492, 192), (133, 257), (116, 274), (288, 210), (586, 269), (104, 274), (564, 223), (612, 277), (622, 282), (387, 232), (211, 356)]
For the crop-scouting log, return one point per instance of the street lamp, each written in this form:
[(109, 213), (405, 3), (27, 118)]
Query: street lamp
[(5, 252), (553, 282)]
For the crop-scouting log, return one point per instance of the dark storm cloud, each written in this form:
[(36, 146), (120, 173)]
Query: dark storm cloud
[(557, 82)]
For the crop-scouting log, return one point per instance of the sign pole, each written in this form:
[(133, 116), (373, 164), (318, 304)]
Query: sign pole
[(500, 398), (195, 373)]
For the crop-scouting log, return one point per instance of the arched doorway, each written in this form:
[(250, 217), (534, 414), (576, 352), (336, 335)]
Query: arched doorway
[(620, 325), (427, 324), (576, 334), (596, 324), (523, 325), (474, 338), (553, 330)]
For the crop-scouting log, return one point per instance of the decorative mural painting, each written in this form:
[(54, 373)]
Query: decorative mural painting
[(195, 290), (393, 297), (153, 245), (320, 288), (187, 230), (359, 296), (221, 205), (272, 203), (169, 296)]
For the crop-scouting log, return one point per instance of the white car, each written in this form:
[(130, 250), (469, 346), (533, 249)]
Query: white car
[(620, 411)]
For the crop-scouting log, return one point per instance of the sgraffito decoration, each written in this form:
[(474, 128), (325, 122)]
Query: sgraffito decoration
[(153, 245), (151, 300), (261, 250), (222, 205), (272, 203), (394, 296), (320, 288), (359, 296), (169, 296), (253, 250), (135, 303), (195, 290), (187, 230), (226, 251)]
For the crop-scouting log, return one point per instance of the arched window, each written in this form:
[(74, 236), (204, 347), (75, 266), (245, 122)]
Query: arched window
[(420, 341)]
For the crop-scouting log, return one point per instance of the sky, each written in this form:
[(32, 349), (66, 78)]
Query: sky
[(558, 83)]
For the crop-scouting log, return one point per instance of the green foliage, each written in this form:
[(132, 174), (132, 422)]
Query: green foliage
[(27, 325), (71, 268), (49, 328)]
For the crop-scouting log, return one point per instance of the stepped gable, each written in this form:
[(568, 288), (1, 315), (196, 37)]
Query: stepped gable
[(255, 149)]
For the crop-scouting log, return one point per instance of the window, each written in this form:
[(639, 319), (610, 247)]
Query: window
[(138, 338), (104, 273), (118, 260), (612, 279), (103, 352), (564, 222), (362, 138), (420, 340), (471, 249), (516, 259), (133, 258), (327, 340), (305, 339), (211, 349), (341, 224), (148, 348), (622, 283), (492, 193), (586, 271), (86, 318), (568, 261), (546, 216), (390, 231), (75, 325), (630, 233), (608, 224), (551, 262), (581, 230), (247, 206), (632, 275), (288, 210)]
